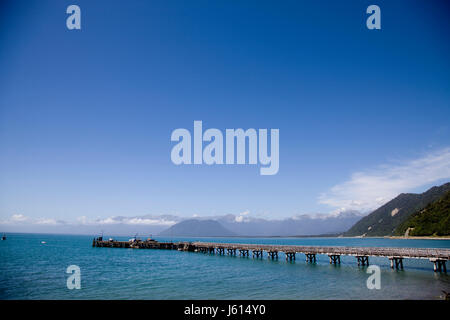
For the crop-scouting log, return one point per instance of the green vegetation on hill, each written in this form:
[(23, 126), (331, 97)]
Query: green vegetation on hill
[(433, 220), (385, 220)]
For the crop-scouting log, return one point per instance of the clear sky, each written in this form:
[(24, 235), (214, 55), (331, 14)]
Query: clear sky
[(86, 115)]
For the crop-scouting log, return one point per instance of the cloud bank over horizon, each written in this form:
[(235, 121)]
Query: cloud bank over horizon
[(363, 192), (114, 225), (163, 220), (370, 189), (242, 223)]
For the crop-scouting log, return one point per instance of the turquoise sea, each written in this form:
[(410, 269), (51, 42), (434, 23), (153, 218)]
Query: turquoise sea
[(30, 269)]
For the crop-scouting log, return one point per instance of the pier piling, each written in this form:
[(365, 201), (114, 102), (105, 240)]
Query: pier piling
[(272, 255), (335, 258), (439, 265), (362, 260), (257, 253), (396, 262), (243, 252), (290, 256), (310, 257)]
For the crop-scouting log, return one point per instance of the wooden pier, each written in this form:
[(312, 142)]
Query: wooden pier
[(438, 257)]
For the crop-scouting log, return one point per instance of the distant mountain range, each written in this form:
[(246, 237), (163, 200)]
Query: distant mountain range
[(197, 228), (244, 225), (385, 220), (293, 226)]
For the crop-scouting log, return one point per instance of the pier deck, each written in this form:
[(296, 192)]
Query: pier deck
[(396, 255), (412, 253)]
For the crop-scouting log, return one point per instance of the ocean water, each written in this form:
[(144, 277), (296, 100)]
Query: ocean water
[(30, 269)]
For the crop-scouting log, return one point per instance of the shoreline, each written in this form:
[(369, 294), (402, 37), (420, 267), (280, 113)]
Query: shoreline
[(400, 237), (418, 237)]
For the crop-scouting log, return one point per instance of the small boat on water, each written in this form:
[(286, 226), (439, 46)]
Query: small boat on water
[(3, 237), (43, 242)]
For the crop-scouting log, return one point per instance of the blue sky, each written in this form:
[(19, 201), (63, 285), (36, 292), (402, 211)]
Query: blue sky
[(86, 115)]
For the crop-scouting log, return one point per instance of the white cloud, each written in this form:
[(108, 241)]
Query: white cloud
[(127, 220), (18, 218), (46, 221), (149, 221), (370, 189), (109, 220), (82, 220), (242, 217), (15, 219)]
